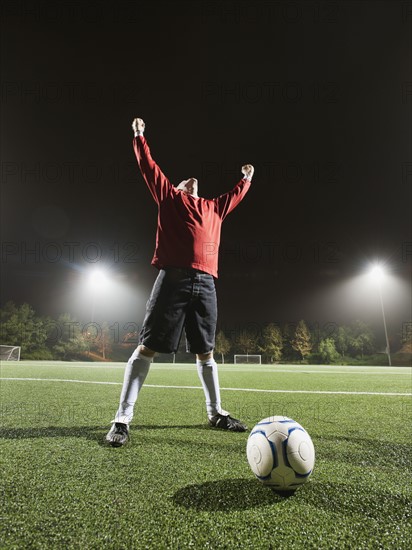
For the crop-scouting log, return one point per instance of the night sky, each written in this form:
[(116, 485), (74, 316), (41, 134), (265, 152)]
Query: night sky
[(316, 95)]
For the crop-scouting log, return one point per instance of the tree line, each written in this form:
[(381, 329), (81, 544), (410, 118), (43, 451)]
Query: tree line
[(42, 337), (292, 343), (64, 338)]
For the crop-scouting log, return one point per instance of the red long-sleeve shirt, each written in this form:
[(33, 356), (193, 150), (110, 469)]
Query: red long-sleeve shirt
[(188, 228)]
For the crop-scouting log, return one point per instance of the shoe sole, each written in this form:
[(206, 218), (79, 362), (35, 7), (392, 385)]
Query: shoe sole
[(117, 443), (243, 429), (114, 444)]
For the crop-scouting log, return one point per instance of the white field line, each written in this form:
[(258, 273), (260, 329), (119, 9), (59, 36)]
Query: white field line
[(406, 371), (224, 389)]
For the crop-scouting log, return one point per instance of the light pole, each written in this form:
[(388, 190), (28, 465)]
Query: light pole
[(98, 280), (377, 273)]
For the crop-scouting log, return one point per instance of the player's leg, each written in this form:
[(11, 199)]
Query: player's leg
[(161, 330), (138, 365), (200, 327), (208, 373), (207, 370), (137, 369)]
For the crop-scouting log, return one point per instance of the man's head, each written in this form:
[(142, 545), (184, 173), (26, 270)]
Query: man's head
[(189, 187)]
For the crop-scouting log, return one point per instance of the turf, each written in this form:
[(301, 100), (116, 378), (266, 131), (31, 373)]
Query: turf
[(180, 484)]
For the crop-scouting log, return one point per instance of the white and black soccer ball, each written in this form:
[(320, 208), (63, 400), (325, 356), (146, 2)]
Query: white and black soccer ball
[(280, 453)]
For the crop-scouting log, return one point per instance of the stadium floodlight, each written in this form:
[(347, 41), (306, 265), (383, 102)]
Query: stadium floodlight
[(377, 274), (98, 278)]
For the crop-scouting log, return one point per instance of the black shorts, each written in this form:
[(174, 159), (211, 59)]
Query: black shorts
[(181, 298)]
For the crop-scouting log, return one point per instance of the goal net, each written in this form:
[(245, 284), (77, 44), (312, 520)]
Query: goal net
[(245, 359), (9, 353)]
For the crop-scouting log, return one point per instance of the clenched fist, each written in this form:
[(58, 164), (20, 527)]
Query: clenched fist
[(248, 171), (138, 125)]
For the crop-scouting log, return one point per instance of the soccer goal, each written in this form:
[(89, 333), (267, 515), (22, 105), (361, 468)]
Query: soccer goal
[(9, 353), (248, 359)]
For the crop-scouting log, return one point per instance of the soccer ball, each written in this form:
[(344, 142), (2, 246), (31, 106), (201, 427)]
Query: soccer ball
[(280, 453)]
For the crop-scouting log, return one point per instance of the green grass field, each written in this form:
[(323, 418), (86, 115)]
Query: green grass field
[(180, 484)]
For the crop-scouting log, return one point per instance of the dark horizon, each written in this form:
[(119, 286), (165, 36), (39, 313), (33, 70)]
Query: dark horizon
[(317, 96)]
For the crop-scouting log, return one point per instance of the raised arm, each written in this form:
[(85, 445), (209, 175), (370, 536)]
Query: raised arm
[(158, 183), (228, 201)]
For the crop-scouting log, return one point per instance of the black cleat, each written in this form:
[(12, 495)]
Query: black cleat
[(227, 423), (118, 434)]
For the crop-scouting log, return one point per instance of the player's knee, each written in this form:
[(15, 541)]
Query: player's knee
[(204, 356), (147, 352)]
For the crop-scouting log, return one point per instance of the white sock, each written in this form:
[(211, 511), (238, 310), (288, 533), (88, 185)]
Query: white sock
[(207, 371), (134, 376)]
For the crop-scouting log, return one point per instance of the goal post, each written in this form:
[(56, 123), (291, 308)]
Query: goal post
[(10, 353), (248, 359)]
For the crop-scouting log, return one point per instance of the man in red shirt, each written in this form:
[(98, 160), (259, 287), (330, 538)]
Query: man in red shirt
[(183, 295)]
